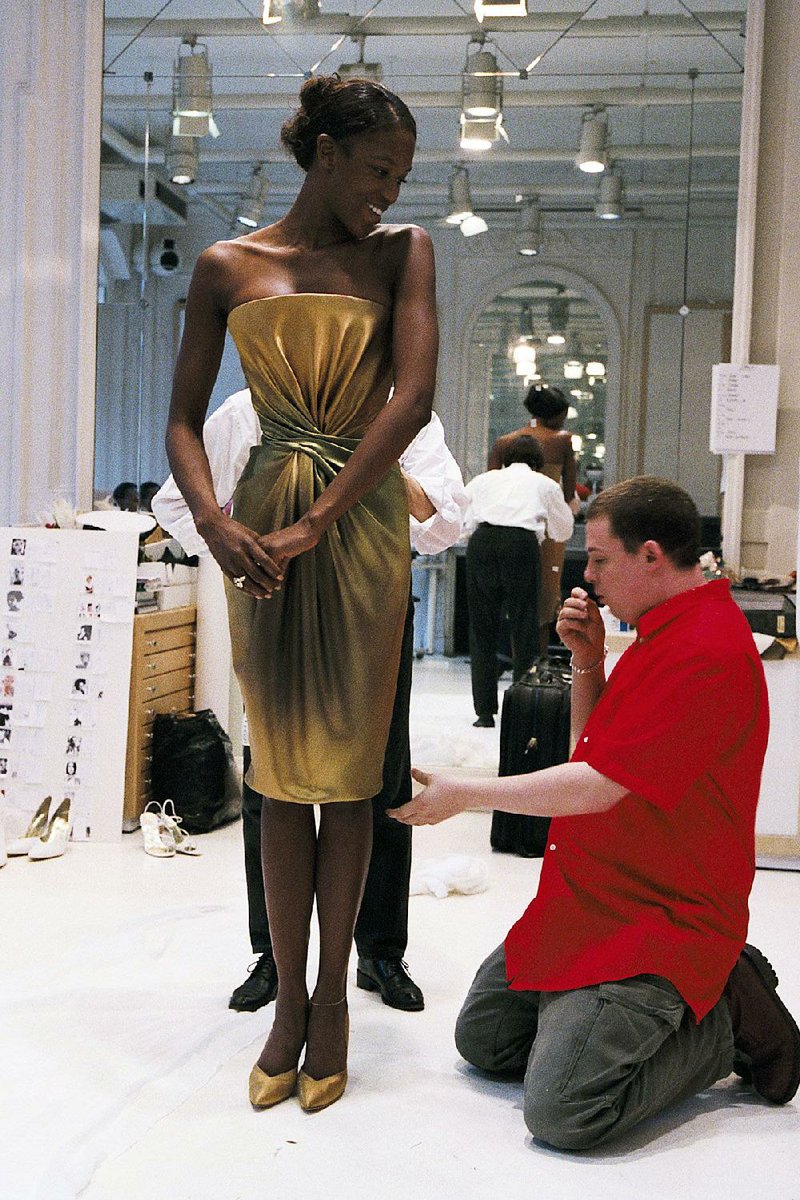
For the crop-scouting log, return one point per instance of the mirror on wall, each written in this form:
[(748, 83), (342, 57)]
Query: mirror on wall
[(545, 334)]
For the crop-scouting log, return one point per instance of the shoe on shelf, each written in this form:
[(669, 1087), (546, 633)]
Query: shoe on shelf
[(260, 988), (158, 839), (390, 977), (766, 1039), (21, 845), (52, 841), (184, 842), (484, 723), (266, 1090)]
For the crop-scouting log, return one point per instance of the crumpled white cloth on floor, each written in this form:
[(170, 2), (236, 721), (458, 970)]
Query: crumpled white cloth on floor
[(455, 873)]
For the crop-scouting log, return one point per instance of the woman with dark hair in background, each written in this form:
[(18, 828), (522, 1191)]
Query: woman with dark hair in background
[(329, 309), (548, 407)]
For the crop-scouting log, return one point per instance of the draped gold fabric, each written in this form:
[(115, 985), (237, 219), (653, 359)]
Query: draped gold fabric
[(317, 663)]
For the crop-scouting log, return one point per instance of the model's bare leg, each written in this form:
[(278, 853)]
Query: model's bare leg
[(343, 849), (288, 854)]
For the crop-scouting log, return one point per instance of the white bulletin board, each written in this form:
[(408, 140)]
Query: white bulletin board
[(67, 601), (744, 409)]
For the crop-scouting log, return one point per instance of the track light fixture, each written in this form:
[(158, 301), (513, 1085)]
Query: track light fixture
[(252, 206), (460, 198), (182, 159), (192, 93), (608, 204), (481, 84), (275, 10), (361, 69), (478, 133), (591, 156), (529, 235), (472, 225)]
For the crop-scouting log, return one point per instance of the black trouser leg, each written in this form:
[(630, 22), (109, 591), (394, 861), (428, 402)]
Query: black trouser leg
[(382, 925), (484, 599), (520, 572), (251, 831)]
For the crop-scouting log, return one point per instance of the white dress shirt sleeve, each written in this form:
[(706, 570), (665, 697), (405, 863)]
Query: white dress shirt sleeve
[(229, 435), (428, 460)]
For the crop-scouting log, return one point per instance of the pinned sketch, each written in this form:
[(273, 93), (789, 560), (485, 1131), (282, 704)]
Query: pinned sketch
[(744, 409)]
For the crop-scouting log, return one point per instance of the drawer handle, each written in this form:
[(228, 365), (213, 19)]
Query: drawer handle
[(152, 642), (151, 689)]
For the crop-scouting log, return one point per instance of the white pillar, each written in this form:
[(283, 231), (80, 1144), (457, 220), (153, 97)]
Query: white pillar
[(50, 119)]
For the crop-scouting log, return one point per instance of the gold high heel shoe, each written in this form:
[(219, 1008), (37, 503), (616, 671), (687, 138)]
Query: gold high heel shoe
[(266, 1090), (316, 1094), (21, 845)]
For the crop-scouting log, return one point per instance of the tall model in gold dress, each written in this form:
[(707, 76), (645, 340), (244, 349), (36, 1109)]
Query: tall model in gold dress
[(330, 309), (316, 665)]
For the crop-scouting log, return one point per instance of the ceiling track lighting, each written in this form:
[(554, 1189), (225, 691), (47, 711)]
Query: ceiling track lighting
[(275, 10), (481, 83), (529, 235), (500, 8), (592, 146), (252, 206), (182, 159), (472, 225), (479, 133), (192, 92), (573, 369), (608, 204), (460, 197)]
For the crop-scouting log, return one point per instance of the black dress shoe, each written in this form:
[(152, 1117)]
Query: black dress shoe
[(484, 723), (766, 1039), (390, 977), (259, 988)]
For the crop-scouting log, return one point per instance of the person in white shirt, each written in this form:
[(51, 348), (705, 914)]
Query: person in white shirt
[(437, 504), (510, 512)]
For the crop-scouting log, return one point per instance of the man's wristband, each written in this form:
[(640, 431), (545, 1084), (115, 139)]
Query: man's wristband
[(592, 668)]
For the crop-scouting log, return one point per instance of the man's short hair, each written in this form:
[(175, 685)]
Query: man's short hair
[(647, 508), (544, 402), (524, 449)]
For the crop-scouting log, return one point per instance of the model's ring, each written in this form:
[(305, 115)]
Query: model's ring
[(238, 580)]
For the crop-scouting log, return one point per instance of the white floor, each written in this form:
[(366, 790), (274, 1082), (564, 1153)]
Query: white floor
[(124, 1075)]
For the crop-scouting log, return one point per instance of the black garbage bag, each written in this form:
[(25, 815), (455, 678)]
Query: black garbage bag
[(193, 765)]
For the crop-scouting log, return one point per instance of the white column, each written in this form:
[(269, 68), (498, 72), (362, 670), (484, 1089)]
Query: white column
[(50, 120)]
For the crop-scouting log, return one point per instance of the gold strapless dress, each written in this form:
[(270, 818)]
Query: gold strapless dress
[(317, 664)]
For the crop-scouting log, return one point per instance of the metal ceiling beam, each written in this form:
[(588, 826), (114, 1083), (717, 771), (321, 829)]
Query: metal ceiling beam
[(134, 152), (335, 24), (634, 97)]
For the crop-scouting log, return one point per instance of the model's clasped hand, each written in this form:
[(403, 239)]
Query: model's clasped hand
[(250, 566), (437, 801)]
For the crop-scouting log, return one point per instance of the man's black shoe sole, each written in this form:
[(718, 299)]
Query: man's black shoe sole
[(766, 973)]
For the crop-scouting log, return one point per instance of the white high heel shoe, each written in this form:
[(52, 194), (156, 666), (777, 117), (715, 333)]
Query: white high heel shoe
[(158, 840), (53, 840), (184, 842), (21, 845)]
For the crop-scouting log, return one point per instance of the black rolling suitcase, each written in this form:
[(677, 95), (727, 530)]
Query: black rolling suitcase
[(534, 733)]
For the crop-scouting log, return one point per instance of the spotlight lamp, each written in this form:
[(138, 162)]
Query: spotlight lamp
[(255, 198), (481, 85), (573, 369), (182, 159), (529, 235), (460, 198), (608, 204), (192, 93), (596, 369), (524, 352), (591, 156), (472, 225), (478, 133)]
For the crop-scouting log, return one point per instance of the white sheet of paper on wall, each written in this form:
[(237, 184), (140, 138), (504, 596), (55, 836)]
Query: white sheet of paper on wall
[(744, 409)]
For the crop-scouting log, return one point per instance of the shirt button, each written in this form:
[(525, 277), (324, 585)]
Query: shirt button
[(586, 739), (552, 845)]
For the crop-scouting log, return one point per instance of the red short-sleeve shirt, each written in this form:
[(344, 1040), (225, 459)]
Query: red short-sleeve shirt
[(660, 883)]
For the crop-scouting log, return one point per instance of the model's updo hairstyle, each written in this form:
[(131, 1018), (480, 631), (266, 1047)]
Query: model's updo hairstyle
[(341, 108)]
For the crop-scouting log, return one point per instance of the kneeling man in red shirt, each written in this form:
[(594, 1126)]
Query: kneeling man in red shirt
[(627, 984)]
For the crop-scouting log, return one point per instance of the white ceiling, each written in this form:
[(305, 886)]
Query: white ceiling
[(631, 55)]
